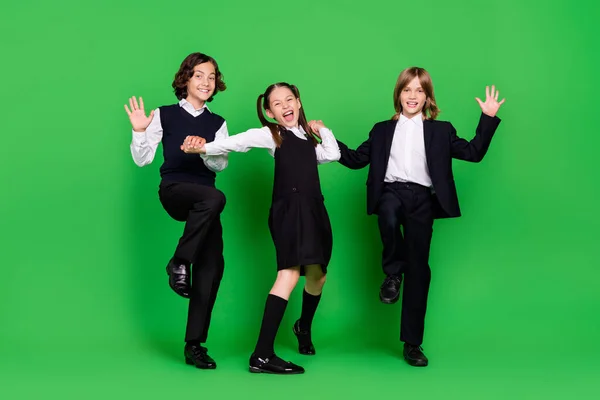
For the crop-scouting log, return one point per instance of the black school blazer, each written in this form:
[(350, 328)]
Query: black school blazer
[(441, 146)]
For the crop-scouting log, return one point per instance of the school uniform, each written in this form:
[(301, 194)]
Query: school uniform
[(299, 226), (187, 193), (298, 220), (410, 183)]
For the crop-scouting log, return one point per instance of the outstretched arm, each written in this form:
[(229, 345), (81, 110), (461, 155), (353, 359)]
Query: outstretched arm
[(240, 143), (356, 159), (476, 149)]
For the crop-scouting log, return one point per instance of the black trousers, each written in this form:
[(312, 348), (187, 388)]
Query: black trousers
[(201, 245), (411, 206)]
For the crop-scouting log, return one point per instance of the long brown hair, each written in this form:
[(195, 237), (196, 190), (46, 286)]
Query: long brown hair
[(430, 109), (186, 71), (263, 103)]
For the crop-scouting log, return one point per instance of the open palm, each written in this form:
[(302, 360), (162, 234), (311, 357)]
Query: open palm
[(137, 115), (491, 105)]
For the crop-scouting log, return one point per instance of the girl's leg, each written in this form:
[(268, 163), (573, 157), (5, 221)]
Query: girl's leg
[(286, 282), (264, 359), (274, 309), (315, 279)]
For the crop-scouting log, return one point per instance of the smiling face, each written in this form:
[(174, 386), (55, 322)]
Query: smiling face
[(284, 107), (201, 85), (413, 94), (412, 98)]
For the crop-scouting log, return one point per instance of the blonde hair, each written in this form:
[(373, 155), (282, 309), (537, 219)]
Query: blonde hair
[(430, 109)]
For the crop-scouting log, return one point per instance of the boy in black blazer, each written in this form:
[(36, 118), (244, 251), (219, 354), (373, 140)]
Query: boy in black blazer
[(410, 183)]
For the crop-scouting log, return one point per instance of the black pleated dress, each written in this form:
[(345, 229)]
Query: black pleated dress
[(298, 219)]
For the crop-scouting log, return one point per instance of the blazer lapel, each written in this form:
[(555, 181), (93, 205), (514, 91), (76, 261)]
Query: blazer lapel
[(389, 136), (427, 134)]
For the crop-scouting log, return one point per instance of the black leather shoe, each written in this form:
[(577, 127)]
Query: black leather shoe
[(305, 345), (390, 289), (179, 278), (198, 356), (273, 365), (414, 355)]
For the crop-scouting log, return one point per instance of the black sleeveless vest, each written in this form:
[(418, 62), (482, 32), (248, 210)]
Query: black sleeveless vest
[(177, 124), (296, 167)]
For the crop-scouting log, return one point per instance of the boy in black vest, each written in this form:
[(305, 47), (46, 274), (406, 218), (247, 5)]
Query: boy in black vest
[(187, 190)]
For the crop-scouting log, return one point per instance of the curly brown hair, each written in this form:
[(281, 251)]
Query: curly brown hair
[(186, 71)]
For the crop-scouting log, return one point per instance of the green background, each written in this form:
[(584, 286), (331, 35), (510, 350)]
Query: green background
[(85, 310)]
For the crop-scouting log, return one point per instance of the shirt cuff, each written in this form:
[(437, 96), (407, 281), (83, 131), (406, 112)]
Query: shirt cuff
[(138, 137), (208, 147), (326, 134)]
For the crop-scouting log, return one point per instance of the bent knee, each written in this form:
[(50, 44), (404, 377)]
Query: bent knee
[(216, 202), (291, 275), (321, 281), (317, 279)]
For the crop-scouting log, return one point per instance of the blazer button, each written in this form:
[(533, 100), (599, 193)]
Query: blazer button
[(293, 189)]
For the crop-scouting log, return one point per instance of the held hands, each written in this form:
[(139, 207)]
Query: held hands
[(193, 145), (315, 126), (491, 105), (137, 115)]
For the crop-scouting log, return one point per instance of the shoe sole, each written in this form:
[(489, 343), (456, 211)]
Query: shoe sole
[(389, 301), (256, 370), (190, 362), (416, 363)]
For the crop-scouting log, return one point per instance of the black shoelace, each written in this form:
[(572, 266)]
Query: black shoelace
[(391, 280)]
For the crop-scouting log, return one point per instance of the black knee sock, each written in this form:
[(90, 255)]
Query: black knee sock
[(274, 310), (309, 307)]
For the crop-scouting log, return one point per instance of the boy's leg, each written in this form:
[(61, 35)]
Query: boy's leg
[(389, 213), (418, 229), (207, 272), (211, 257), (198, 206)]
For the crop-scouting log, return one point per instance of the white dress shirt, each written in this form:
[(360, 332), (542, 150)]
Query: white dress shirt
[(144, 144), (408, 162), (327, 150)]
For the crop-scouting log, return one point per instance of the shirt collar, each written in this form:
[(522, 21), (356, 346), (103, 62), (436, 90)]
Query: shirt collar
[(417, 119), (298, 129), (186, 105)]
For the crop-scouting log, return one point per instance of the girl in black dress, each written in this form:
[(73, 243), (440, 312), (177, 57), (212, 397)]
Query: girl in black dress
[(298, 219)]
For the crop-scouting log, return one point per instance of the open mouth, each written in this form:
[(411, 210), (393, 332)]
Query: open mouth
[(288, 116), (204, 91), (412, 104)]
